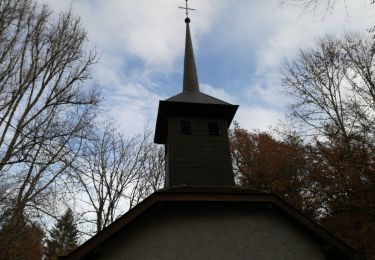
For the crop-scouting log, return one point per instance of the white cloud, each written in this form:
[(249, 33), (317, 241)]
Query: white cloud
[(131, 105), (292, 29), (150, 30), (258, 118), (266, 90), (135, 41), (249, 117), (138, 40), (218, 93)]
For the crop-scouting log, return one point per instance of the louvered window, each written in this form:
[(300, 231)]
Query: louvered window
[(213, 128)]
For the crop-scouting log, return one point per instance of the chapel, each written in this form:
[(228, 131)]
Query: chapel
[(200, 213)]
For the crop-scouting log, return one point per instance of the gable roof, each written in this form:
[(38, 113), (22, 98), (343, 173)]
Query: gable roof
[(189, 194)]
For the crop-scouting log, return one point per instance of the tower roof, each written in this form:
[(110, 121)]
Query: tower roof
[(196, 97)]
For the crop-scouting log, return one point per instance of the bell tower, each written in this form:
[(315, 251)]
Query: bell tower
[(193, 127)]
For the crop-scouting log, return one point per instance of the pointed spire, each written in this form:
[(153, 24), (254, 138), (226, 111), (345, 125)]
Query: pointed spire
[(190, 71)]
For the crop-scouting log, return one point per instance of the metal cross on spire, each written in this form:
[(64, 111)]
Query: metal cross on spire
[(186, 8)]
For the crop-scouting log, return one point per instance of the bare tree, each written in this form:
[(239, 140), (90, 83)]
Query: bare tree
[(314, 5), (45, 107), (323, 7), (333, 97), (333, 89), (360, 74), (152, 175), (108, 171), (318, 87)]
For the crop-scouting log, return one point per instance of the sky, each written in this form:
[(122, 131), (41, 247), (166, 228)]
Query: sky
[(240, 47)]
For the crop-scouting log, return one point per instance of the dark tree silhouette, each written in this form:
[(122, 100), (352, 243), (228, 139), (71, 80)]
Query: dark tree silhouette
[(29, 242), (63, 237)]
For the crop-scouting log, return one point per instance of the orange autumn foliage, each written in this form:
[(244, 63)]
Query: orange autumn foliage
[(21, 241), (262, 163), (331, 182)]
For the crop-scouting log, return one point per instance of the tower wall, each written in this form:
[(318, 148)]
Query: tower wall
[(199, 158)]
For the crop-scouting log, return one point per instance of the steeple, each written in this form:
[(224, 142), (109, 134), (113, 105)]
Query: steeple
[(191, 83), (193, 127)]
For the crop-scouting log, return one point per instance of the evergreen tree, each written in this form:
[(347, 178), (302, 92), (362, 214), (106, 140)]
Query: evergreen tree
[(63, 236)]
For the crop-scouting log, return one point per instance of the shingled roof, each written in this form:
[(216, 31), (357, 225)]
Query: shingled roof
[(196, 97), (217, 195)]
